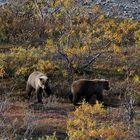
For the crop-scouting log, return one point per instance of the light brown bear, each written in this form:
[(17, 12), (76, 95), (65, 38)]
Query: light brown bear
[(39, 82)]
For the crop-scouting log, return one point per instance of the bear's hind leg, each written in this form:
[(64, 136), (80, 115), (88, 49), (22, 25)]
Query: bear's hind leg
[(70, 97), (99, 97)]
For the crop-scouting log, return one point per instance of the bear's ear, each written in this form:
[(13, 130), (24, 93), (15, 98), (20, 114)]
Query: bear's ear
[(47, 78), (106, 85), (46, 74)]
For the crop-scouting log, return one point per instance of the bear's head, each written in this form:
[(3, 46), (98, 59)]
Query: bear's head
[(44, 82), (106, 85)]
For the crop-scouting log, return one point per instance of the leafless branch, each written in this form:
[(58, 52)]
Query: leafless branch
[(90, 62), (39, 10), (70, 67), (93, 59)]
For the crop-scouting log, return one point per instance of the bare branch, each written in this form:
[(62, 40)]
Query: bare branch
[(39, 11), (66, 57), (93, 59)]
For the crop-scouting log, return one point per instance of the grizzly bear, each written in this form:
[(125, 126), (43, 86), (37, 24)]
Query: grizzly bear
[(85, 88), (39, 82)]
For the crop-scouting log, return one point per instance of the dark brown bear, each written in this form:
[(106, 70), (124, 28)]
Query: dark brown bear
[(84, 88), (39, 82)]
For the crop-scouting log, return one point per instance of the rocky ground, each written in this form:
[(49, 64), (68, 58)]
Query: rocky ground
[(113, 8), (117, 8)]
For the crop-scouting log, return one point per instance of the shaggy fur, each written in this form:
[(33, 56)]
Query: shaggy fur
[(39, 82), (84, 88)]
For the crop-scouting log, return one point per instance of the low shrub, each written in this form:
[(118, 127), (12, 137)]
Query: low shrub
[(92, 122)]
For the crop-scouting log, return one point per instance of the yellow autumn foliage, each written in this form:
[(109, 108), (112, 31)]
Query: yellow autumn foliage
[(95, 9), (66, 3), (47, 66), (116, 49), (2, 72), (90, 122), (21, 62), (76, 51), (136, 79), (137, 37), (50, 47)]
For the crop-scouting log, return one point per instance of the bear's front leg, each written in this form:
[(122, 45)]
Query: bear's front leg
[(39, 95), (88, 99), (99, 97), (76, 99), (70, 97), (28, 91), (48, 91)]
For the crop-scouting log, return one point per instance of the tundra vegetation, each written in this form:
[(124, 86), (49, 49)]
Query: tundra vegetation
[(68, 42)]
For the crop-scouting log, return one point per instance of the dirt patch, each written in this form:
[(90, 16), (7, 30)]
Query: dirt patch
[(36, 120)]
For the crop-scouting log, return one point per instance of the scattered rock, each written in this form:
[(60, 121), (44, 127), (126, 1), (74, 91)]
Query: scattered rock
[(117, 8)]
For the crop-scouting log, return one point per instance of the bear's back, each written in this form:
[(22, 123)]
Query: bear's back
[(83, 86)]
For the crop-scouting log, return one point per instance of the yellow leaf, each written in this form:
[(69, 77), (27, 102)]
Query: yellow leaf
[(136, 79), (116, 49), (95, 9)]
